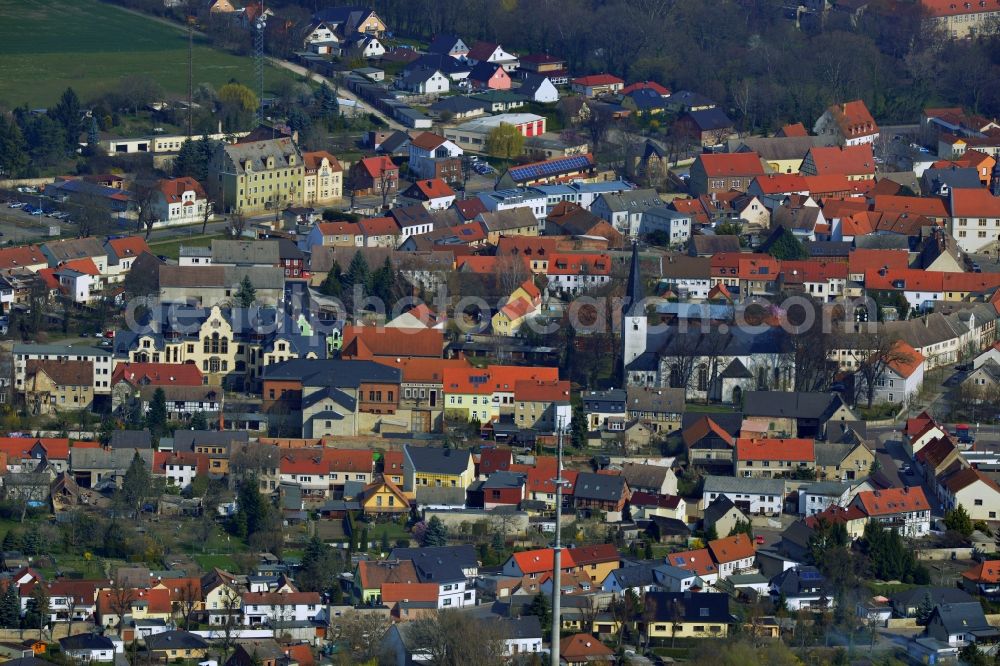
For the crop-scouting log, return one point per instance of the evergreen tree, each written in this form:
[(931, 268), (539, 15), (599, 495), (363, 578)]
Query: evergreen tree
[(384, 282), (67, 114), (540, 608), (12, 540), (156, 417), (787, 247), (93, 135), (10, 608), (436, 533), (299, 121), (647, 552), (206, 147), (384, 542), (355, 280), (199, 421), (37, 613), (925, 609), (711, 534), (136, 486), (331, 283), (251, 505), (958, 520), (186, 162), (320, 567), (742, 527), (13, 150), (578, 427), (247, 294)]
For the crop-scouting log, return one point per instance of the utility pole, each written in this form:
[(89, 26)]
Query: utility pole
[(557, 552), (258, 54), (190, 76)]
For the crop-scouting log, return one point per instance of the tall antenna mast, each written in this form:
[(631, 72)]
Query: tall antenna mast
[(190, 77), (557, 553), (258, 54)]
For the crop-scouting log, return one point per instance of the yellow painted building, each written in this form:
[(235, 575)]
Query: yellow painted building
[(431, 467), (323, 179), (384, 497), (54, 386), (256, 177)]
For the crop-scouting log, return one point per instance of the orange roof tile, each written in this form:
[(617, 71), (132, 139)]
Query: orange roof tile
[(797, 450), (530, 390), (853, 119), (974, 203), (731, 164), (732, 548), (157, 374), (313, 159), (129, 246), (847, 160), (395, 592), (904, 359), (930, 207), (987, 571), (890, 501)]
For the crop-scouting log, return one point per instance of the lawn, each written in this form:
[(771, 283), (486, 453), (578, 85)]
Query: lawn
[(49, 45), (208, 562), (171, 248)]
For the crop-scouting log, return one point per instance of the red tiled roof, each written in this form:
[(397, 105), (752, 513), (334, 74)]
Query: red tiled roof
[(847, 160), (813, 271), (731, 164), (576, 264), (493, 378), (645, 85), (862, 260), (375, 166), (974, 203), (940, 8), (698, 561), (427, 140), (904, 359), (597, 80), (890, 501), (701, 428), (470, 208), (731, 549), (339, 228), (423, 370), (175, 188), (905, 279), (798, 450), (158, 374), (494, 459), (530, 390), (394, 592), (16, 448), (349, 460), (987, 571), (966, 477), (853, 119), (434, 188), (21, 257), (517, 308), (281, 598), (584, 647), (365, 342), (129, 246), (929, 206), (835, 183), (379, 226), (781, 183), (795, 129), (314, 159)]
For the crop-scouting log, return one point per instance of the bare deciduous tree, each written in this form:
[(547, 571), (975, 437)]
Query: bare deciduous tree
[(362, 631)]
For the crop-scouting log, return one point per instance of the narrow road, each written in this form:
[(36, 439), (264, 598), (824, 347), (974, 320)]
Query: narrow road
[(343, 92)]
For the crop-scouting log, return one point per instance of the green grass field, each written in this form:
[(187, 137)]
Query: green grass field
[(49, 45)]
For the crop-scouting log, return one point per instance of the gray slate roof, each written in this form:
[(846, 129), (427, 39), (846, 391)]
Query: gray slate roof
[(731, 484), (600, 487), (438, 460)]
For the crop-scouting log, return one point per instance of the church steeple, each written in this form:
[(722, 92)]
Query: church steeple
[(632, 306), (633, 317)]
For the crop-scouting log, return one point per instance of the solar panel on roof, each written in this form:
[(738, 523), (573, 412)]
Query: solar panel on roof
[(551, 167), (679, 561), (810, 575)]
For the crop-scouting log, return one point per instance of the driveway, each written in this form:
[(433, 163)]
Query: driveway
[(341, 91)]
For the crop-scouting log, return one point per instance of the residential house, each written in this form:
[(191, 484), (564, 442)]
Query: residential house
[(774, 458), (88, 647), (904, 510), (323, 179), (257, 176), (539, 89), (122, 253), (436, 467), (753, 496), (583, 650), (603, 492), (180, 201), (432, 194), (543, 406), (596, 85), (374, 176), (856, 162), (433, 156), (709, 446), (624, 210), (453, 568), (971, 489), (708, 127), (723, 516), (962, 624), (176, 644), (605, 410), (902, 376), (849, 124), (721, 172), (424, 81), (687, 615), (660, 409), (57, 385), (802, 588), (274, 609), (493, 53), (490, 76), (974, 217), (733, 555)]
